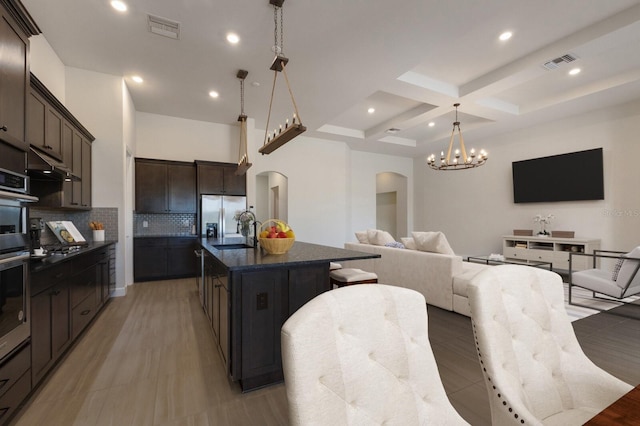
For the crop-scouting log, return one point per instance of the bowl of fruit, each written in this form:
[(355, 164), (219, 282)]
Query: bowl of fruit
[(276, 237)]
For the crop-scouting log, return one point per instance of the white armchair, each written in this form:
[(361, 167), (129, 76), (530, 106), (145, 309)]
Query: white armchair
[(535, 371), (360, 355), (622, 282)]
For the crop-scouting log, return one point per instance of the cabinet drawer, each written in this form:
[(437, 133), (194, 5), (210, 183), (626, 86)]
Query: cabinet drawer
[(541, 255), (43, 280), (82, 285), (149, 242), (15, 367), (14, 396), (514, 253), (82, 314)]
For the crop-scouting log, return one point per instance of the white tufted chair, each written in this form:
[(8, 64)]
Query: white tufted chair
[(534, 368), (360, 355)]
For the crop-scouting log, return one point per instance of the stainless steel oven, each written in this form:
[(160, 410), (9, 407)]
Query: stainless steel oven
[(14, 300), (14, 270)]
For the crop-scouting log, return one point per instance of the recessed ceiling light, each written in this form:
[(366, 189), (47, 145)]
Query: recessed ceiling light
[(505, 35), (214, 94), (137, 79), (371, 110), (575, 71), (233, 38), (118, 5), (431, 124)]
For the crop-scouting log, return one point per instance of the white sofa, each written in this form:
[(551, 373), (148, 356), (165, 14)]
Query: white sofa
[(441, 278)]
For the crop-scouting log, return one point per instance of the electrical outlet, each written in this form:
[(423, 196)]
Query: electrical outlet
[(145, 224), (262, 301)]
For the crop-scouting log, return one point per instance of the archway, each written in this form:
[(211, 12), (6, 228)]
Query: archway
[(272, 196), (391, 203)]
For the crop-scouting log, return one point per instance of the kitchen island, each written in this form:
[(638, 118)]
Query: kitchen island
[(248, 294)]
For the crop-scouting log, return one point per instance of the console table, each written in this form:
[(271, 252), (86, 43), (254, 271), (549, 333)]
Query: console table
[(550, 249)]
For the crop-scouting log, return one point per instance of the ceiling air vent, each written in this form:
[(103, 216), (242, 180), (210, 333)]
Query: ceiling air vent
[(392, 131), (163, 27), (555, 63)]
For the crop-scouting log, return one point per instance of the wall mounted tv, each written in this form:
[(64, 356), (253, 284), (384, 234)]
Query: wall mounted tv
[(567, 177)]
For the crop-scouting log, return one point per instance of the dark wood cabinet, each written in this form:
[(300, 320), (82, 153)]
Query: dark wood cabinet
[(64, 299), (216, 303), (50, 321), (44, 125), (15, 381), (85, 183), (15, 29), (161, 258), (52, 129), (220, 179), (165, 187)]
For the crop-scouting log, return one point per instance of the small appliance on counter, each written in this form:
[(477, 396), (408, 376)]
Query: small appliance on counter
[(36, 226)]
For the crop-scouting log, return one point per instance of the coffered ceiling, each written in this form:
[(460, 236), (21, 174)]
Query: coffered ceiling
[(411, 60)]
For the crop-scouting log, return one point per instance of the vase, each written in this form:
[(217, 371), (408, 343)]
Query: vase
[(244, 230)]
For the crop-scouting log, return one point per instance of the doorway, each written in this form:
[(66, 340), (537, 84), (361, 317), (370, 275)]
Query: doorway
[(392, 212), (272, 190)]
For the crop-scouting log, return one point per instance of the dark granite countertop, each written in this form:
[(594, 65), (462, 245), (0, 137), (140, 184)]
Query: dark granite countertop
[(171, 235), (300, 254), (38, 264)]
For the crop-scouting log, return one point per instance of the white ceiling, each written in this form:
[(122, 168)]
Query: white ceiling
[(409, 59)]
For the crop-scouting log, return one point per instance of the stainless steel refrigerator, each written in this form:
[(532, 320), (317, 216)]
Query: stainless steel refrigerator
[(217, 212)]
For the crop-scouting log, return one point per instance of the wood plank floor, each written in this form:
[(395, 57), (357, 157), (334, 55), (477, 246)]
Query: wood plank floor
[(149, 359)]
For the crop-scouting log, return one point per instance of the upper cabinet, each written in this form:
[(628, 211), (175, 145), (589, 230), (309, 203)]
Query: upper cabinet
[(220, 179), (165, 186), (44, 125), (53, 130), (16, 27)]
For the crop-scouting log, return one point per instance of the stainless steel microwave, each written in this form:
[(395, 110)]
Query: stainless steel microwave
[(14, 182)]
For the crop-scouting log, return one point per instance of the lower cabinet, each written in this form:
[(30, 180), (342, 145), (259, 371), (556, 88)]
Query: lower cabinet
[(161, 258), (15, 381), (64, 300), (216, 303), (260, 302)]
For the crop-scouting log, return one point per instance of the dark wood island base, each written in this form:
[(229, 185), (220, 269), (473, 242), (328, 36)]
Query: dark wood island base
[(248, 294)]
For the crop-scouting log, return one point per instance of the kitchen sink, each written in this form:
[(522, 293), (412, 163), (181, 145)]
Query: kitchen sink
[(232, 246)]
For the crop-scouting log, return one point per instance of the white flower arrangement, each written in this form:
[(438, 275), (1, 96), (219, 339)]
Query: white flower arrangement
[(543, 221)]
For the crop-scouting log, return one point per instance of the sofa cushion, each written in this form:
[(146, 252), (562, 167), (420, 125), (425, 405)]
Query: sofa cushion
[(627, 268), (434, 242), (409, 243), (379, 238), (362, 237)]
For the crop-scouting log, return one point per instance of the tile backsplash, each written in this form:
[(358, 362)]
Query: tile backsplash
[(163, 224), (108, 216)]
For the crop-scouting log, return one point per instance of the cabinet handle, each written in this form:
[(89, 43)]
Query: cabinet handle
[(55, 292), (74, 204), (85, 312), (217, 286), (4, 128)]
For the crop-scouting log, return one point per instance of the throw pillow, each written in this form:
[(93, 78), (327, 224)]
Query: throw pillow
[(379, 238), (434, 242), (395, 244), (616, 269), (362, 237), (409, 243), (628, 268)]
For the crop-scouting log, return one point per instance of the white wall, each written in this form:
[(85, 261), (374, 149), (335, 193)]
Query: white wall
[(96, 100), (171, 138), (129, 141), (475, 207), (363, 169), (46, 65)]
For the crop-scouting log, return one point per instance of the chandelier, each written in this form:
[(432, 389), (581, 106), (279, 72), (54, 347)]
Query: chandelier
[(460, 160), (243, 155), (282, 134)]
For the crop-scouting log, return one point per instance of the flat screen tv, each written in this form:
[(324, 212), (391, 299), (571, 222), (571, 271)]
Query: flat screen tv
[(567, 177)]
